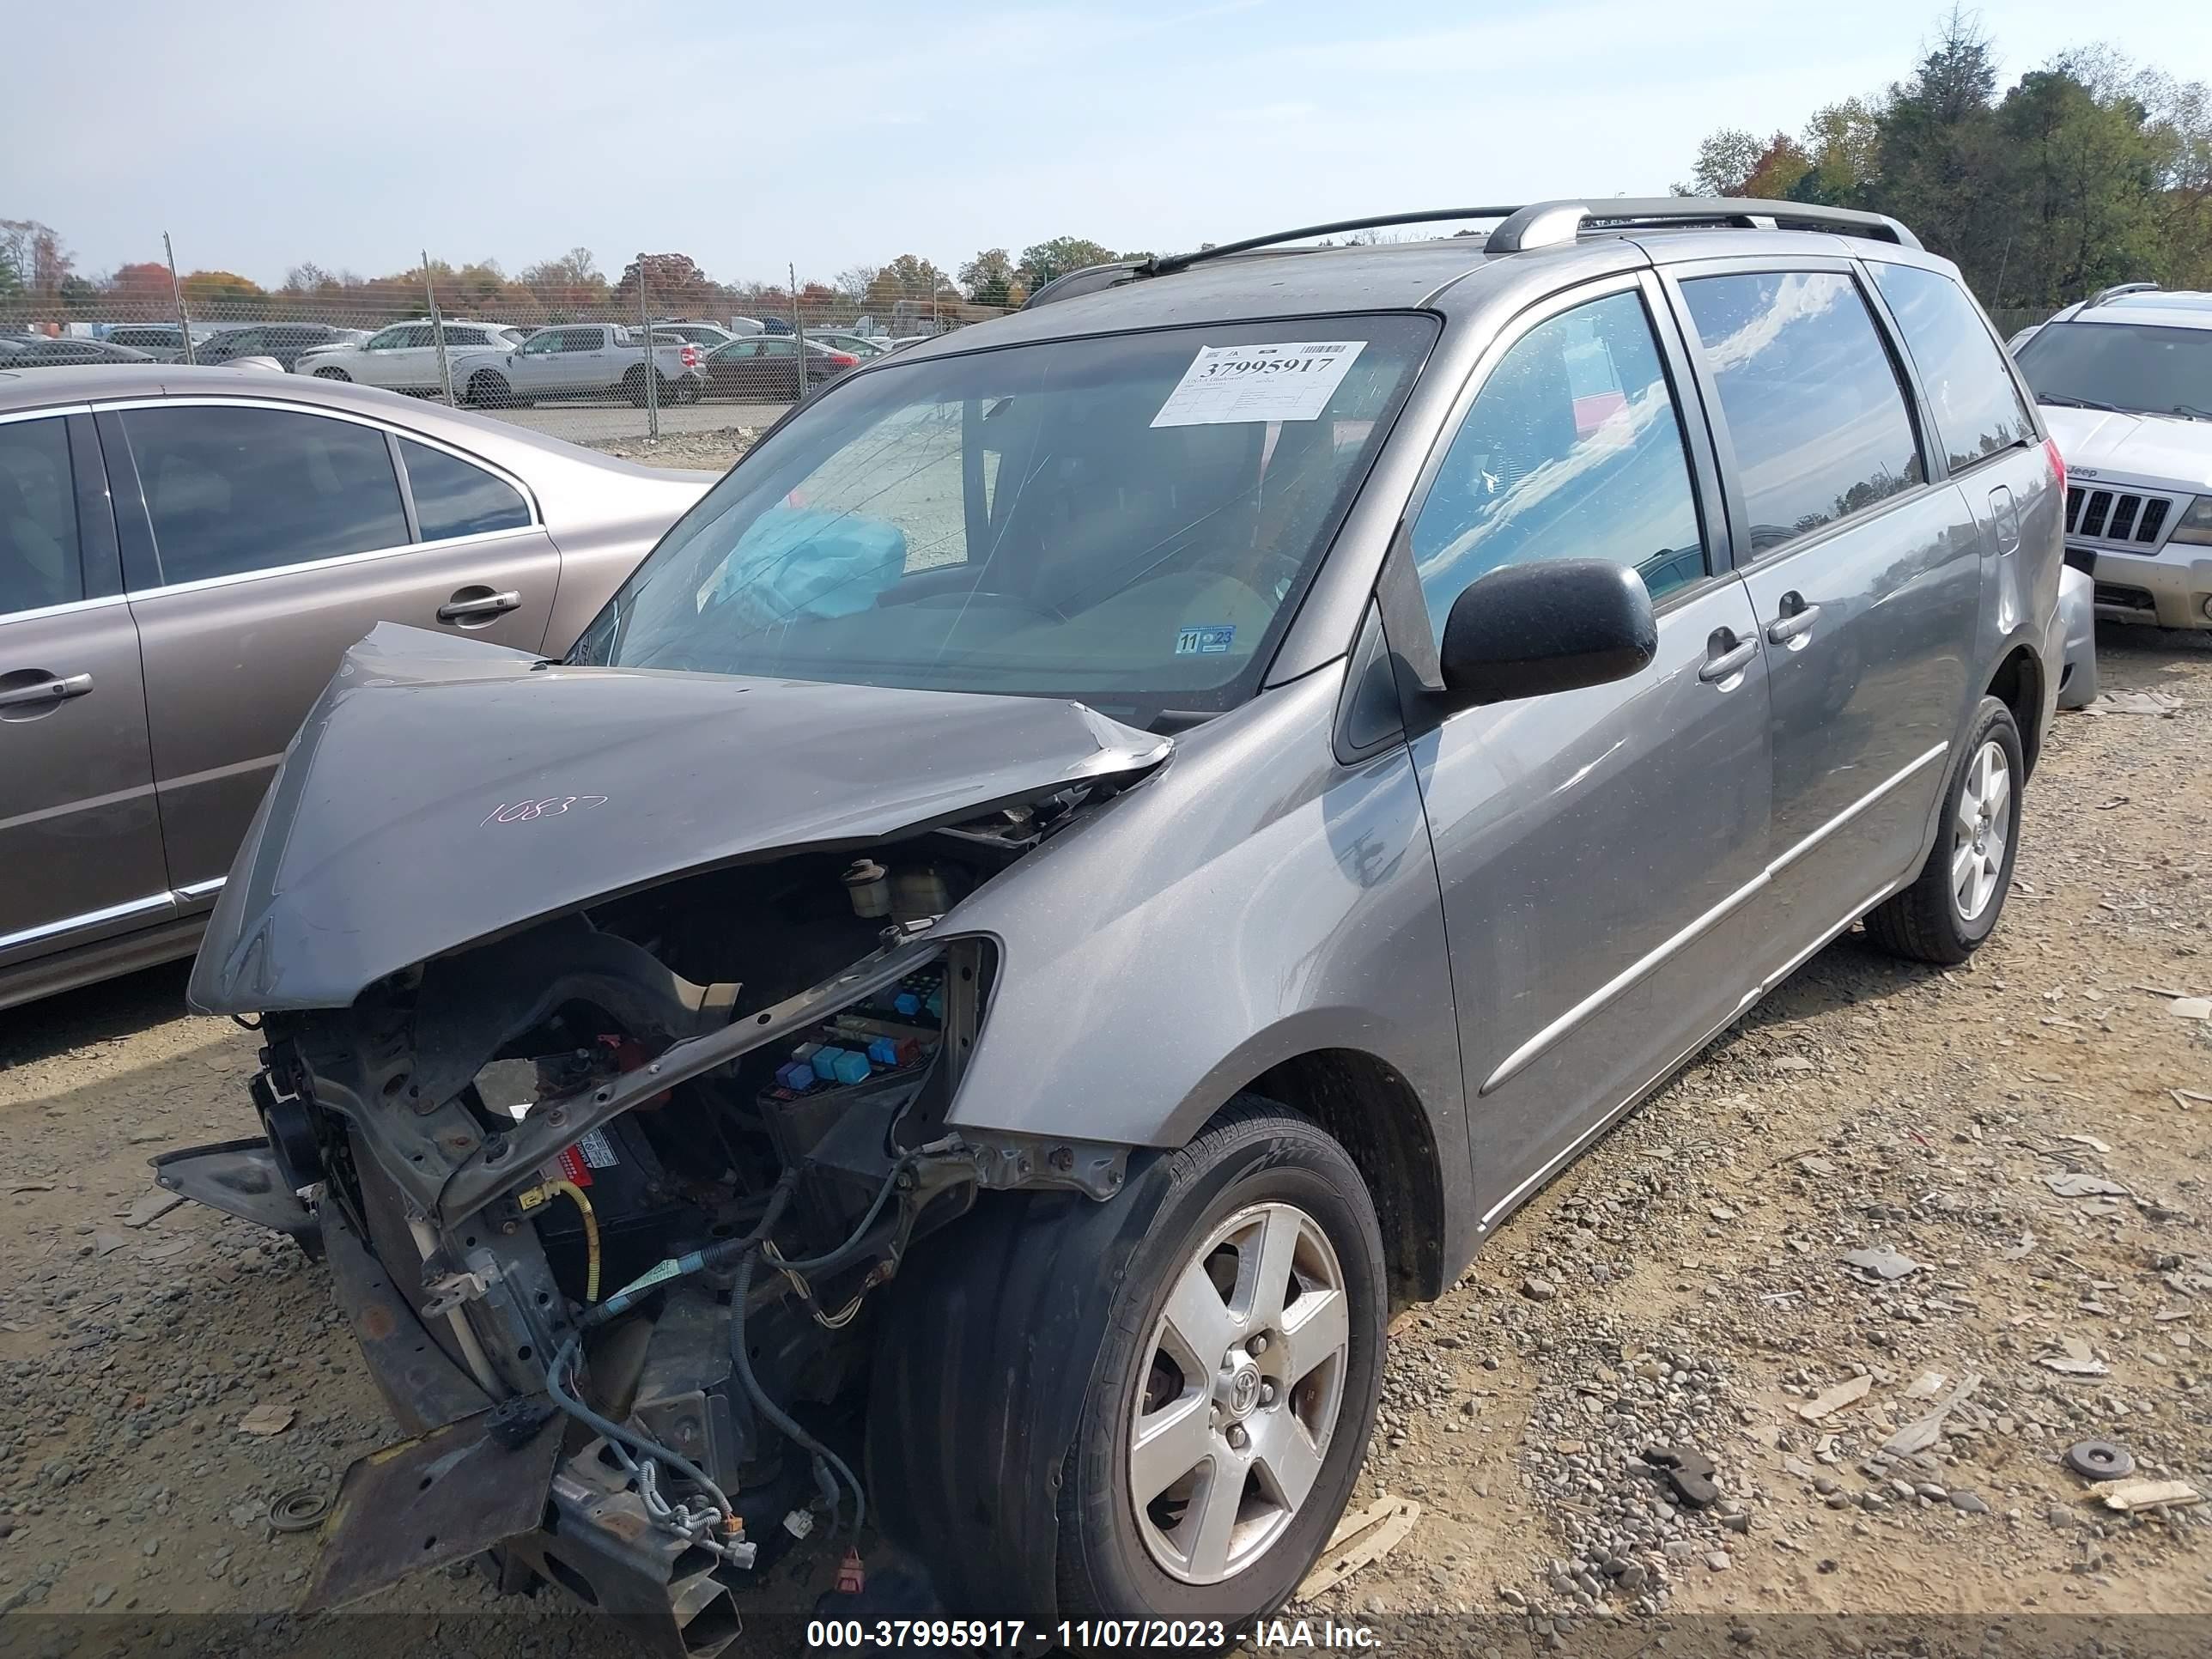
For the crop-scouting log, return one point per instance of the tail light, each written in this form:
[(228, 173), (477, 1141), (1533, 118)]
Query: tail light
[(2058, 463), (690, 356), (844, 360)]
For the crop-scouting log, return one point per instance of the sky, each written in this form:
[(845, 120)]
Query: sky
[(261, 135)]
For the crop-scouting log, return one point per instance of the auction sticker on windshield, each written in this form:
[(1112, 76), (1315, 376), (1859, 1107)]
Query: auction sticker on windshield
[(1291, 381)]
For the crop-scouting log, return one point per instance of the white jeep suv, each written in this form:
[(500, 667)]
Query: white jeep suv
[(2125, 382)]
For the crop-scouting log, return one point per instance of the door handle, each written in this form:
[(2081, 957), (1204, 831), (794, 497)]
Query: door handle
[(1795, 621), (58, 688), (1726, 660), (473, 603)]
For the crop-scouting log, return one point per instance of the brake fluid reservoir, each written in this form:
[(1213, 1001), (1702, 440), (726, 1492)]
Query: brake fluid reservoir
[(866, 883)]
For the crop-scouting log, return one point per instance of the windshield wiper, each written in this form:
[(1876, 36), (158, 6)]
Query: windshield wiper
[(2188, 412), (2082, 402)]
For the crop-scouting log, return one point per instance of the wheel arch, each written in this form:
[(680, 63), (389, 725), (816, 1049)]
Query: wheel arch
[(1370, 1108), (2018, 684)]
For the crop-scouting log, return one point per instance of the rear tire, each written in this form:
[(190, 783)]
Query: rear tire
[(633, 388), (488, 389), (1954, 903)]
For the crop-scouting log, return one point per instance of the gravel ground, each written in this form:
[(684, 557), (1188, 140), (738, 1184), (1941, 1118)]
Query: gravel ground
[(718, 448), (1685, 1285), (615, 424)]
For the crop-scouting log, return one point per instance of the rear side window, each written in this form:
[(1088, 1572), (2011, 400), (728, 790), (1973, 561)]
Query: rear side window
[(232, 491), (1977, 409), (1571, 450), (38, 518), (1810, 397), (453, 498)]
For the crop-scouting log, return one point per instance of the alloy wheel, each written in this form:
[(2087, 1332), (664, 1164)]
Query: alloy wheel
[(1240, 1393), (1983, 830)]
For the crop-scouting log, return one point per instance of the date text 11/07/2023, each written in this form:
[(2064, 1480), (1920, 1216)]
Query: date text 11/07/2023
[(1090, 1635)]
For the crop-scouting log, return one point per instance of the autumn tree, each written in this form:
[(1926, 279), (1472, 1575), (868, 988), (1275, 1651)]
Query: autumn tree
[(1043, 261), (140, 288), (1779, 168), (570, 281), (32, 255), (1725, 160), (1842, 141), (674, 282), (989, 276), (911, 278), (221, 287)]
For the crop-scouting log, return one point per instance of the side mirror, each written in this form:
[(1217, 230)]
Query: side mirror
[(1525, 630)]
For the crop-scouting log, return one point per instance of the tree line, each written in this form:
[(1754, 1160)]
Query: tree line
[(2086, 171), (38, 276)]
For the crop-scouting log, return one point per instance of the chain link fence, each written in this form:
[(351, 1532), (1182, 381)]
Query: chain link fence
[(569, 359)]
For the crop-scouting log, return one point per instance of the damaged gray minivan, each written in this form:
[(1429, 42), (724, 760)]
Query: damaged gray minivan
[(1108, 853)]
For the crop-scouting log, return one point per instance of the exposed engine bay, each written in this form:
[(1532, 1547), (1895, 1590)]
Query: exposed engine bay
[(624, 1182)]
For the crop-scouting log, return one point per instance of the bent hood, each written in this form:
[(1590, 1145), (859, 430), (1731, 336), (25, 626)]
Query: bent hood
[(2167, 452), (443, 791)]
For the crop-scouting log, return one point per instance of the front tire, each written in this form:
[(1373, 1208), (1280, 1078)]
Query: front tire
[(1234, 1395), (1236, 1381), (333, 374), (1954, 903)]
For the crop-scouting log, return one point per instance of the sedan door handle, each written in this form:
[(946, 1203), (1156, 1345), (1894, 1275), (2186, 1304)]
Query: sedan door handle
[(57, 689), (1731, 661), (471, 604), (1795, 621)]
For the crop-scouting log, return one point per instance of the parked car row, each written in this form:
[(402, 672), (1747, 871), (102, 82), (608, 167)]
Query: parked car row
[(493, 365)]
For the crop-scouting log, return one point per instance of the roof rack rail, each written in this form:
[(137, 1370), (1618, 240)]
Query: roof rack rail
[(1091, 278), (1552, 224), (1537, 225), (1166, 264), (2104, 293)]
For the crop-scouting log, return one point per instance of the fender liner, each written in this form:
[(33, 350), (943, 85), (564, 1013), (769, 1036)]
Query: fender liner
[(988, 1346)]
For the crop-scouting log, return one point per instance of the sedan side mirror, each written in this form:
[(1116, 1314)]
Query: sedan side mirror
[(1525, 630)]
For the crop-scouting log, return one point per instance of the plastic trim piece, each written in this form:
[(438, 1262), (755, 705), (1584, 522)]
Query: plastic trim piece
[(1554, 224)]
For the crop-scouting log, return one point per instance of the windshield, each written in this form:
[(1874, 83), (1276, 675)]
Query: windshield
[(1127, 519), (2137, 367)]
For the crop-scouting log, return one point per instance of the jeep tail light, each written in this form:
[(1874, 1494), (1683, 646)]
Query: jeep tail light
[(2058, 463), (844, 360)]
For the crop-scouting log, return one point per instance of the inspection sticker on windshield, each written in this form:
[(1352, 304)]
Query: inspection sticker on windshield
[(1291, 381), (1213, 640)]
